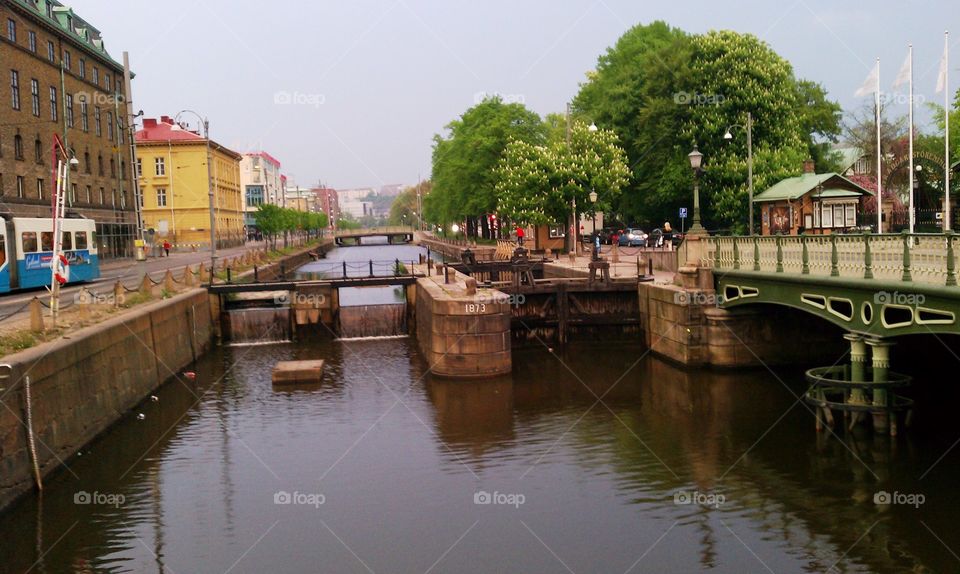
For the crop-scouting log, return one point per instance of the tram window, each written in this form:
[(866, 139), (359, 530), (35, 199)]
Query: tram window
[(46, 241), (67, 241), (29, 240), (3, 251), (81, 239)]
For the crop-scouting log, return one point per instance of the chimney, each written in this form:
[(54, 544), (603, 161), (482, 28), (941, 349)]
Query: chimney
[(149, 123), (166, 120), (809, 166)]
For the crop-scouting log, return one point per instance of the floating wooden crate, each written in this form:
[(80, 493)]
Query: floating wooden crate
[(292, 372)]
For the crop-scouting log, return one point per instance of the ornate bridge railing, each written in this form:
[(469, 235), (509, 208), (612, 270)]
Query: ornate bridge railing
[(917, 257)]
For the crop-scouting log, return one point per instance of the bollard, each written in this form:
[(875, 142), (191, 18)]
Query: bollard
[(187, 276), (446, 274), (118, 295), (229, 275), (256, 274), (146, 286), (650, 266), (83, 303), (168, 281), (471, 286), (371, 267), (36, 316), (344, 269)]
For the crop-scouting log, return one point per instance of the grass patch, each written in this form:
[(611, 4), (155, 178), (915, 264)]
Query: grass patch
[(134, 299), (16, 342)]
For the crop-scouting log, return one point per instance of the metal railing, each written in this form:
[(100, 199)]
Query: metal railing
[(387, 230), (918, 257)]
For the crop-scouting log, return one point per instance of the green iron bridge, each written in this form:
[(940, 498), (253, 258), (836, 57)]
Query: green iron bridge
[(875, 286), (878, 285)]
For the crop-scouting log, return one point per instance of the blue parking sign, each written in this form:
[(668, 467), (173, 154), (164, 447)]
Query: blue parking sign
[(683, 213)]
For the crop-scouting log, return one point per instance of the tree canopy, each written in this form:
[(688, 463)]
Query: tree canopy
[(464, 160), (536, 183), (662, 91)]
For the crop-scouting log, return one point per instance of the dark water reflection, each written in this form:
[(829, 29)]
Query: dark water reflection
[(399, 459)]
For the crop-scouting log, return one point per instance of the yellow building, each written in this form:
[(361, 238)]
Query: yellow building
[(172, 173)]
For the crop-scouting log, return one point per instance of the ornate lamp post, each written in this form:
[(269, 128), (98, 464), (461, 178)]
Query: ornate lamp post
[(729, 136), (696, 163)]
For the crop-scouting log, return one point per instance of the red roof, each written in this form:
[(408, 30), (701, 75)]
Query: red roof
[(265, 156), (164, 129)]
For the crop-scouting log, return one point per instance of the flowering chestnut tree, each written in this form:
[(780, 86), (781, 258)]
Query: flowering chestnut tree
[(536, 183)]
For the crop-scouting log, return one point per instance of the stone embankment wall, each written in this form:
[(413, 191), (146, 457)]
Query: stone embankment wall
[(687, 327), (80, 386), (462, 335)]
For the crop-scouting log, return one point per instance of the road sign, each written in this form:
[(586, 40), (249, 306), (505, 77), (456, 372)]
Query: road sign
[(683, 213)]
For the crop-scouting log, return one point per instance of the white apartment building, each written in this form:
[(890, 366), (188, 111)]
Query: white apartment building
[(261, 182)]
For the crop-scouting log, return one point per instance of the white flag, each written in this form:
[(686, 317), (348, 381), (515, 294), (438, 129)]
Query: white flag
[(904, 76), (870, 84), (942, 76)]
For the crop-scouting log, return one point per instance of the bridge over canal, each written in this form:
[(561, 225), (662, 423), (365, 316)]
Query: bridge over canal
[(393, 234), (875, 286)]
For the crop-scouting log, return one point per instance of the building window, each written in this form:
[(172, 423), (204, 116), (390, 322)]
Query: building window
[(53, 103), (40, 187), (139, 167), (32, 41), (51, 51), (96, 120), (38, 150), (100, 165), (89, 194), (101, 196), (72, 197), (84, 115), (113, 167), (18, 147), (160, 168), (106, 82), (35, 97), (69, 104), (83, 68), (96, 75), (20, 186), (66, 60), (110, 126), (15, 89), (123, 169), (11, 30), (161, 197), (86, 161)]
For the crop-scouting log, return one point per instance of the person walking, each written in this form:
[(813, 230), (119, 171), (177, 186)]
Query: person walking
[(166, 247), (520, 235)]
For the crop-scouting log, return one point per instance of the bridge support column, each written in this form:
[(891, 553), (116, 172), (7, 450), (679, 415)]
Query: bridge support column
[(882, 421), (858, 368)]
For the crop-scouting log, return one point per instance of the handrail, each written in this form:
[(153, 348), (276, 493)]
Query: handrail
[(386, 230), (902, 257)]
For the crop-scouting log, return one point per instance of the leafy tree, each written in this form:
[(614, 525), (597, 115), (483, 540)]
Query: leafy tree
[(464, 160), (403, 210), (538, 182), (662, 91)]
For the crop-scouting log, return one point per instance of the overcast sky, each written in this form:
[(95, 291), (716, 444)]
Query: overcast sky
[(350, 92)]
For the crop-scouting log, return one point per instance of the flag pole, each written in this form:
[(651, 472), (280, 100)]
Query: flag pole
[(912, 216), (879, 183), (946, 133)]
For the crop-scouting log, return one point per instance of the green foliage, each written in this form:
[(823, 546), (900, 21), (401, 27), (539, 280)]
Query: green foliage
[(662, 91), (404, 209), (464, 161), (272, 220), (15, 342), (537, 182), (347, 221)]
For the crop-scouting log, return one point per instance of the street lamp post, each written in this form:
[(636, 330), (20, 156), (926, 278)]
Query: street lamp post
[(729, 136), (213, 217), (696, 163)]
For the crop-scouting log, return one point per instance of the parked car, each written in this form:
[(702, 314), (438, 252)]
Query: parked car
[(632, 237)]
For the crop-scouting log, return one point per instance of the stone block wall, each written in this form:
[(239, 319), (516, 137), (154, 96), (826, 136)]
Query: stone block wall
[(82, 385), (463, 335)]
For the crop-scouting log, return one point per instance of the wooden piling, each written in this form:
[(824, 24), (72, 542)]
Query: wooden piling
[(36, 316)]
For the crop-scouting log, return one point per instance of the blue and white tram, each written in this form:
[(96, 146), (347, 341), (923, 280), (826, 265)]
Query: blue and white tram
[(26, 250)]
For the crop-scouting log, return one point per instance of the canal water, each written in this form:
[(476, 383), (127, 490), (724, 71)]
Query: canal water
[(592, 459)]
